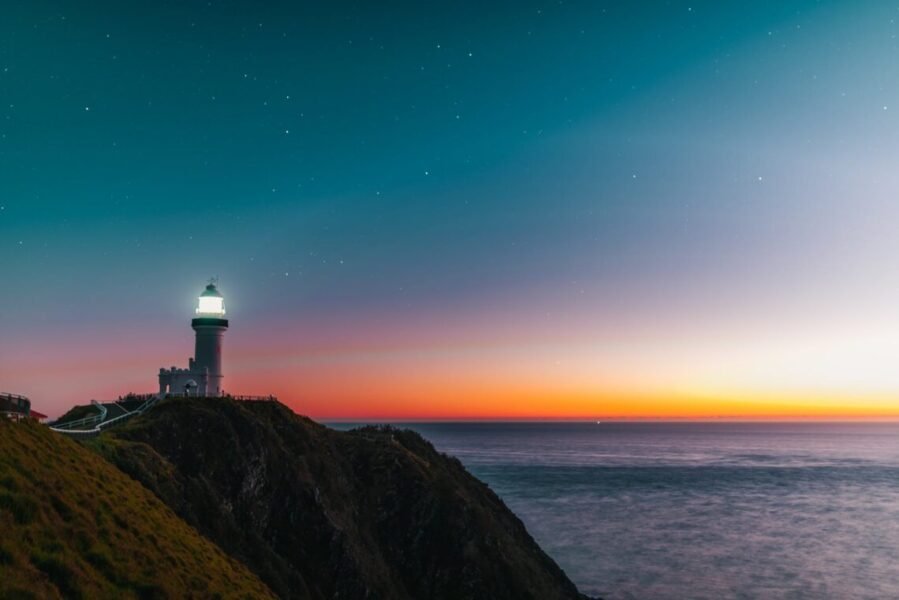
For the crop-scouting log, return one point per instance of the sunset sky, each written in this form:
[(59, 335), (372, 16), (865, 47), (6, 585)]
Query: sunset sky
[(457, 210)]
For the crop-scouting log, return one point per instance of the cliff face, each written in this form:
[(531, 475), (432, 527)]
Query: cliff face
[(73, 526), (373, 513)]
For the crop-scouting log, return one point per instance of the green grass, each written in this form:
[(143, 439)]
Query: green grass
[(74, 526)]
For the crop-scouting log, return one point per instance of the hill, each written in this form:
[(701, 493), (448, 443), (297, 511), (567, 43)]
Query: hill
[(74, 526), (375, 513)]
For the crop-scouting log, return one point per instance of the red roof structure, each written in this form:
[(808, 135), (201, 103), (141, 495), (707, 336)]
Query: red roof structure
[(37, 416)]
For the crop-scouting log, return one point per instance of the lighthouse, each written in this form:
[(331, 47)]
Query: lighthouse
[(203, 375), (210, 326)]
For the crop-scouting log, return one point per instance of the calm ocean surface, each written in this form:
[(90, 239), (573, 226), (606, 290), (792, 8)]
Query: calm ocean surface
[(699, 510)]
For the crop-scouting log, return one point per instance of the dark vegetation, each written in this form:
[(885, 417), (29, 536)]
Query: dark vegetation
[(74, 526), (77, 412), (375, 513), (213, 497)]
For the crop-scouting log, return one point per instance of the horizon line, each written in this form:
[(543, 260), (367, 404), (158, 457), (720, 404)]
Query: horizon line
[(599, 420)]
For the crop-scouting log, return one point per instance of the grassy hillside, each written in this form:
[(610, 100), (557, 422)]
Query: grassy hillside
[(74, 526)]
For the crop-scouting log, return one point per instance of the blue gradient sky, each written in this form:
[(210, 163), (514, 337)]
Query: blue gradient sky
[(457, 209)]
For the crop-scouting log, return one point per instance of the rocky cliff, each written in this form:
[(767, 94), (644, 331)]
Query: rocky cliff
[(375, 513)]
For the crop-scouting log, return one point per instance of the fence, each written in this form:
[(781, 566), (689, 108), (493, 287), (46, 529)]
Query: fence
[(92, 426), (14, 406), (253, 398)]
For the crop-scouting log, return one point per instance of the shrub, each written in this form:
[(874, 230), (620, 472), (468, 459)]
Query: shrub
[(59, 573), (18, 594), (23, 508), (61, 508)]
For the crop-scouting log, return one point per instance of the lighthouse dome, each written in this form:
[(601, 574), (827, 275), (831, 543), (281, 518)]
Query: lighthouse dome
[(211, 292), (211, 303)]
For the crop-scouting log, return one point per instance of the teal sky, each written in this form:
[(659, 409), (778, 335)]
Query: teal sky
[(705, 191)]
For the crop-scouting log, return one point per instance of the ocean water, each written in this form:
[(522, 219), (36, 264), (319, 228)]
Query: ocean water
[(699, 510)]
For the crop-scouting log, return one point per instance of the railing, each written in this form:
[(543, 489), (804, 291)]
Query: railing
[(79, 431), (14, 404), (101, 408), (84, 421), (77, 423), (5, 396), (93, 425), (227, 397), (135, 398), (253, 398)]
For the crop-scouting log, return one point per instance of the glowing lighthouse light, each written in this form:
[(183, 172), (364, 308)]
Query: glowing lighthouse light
[(211, 302)]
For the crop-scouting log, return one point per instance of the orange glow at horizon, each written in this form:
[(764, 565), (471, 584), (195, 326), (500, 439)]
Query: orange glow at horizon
[(338, 401), (370, 370), (355, 389)]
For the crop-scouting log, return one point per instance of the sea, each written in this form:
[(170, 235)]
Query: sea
[(682, 511)]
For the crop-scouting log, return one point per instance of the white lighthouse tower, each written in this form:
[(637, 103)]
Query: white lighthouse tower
[(210, 325), (203, 377)]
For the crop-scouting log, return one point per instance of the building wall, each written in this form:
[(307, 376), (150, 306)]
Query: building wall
[(11, 403), (176, 381)]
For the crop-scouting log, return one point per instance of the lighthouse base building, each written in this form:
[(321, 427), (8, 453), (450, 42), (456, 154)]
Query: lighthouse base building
[(191, 381), (203, 375)]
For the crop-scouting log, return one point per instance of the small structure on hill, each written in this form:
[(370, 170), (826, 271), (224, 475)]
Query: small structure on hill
[(16, 407), (203, 375)]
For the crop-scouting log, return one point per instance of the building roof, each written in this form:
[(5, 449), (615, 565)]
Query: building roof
[(211, 291)]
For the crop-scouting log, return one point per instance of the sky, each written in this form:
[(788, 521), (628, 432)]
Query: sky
[(457, 210)]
